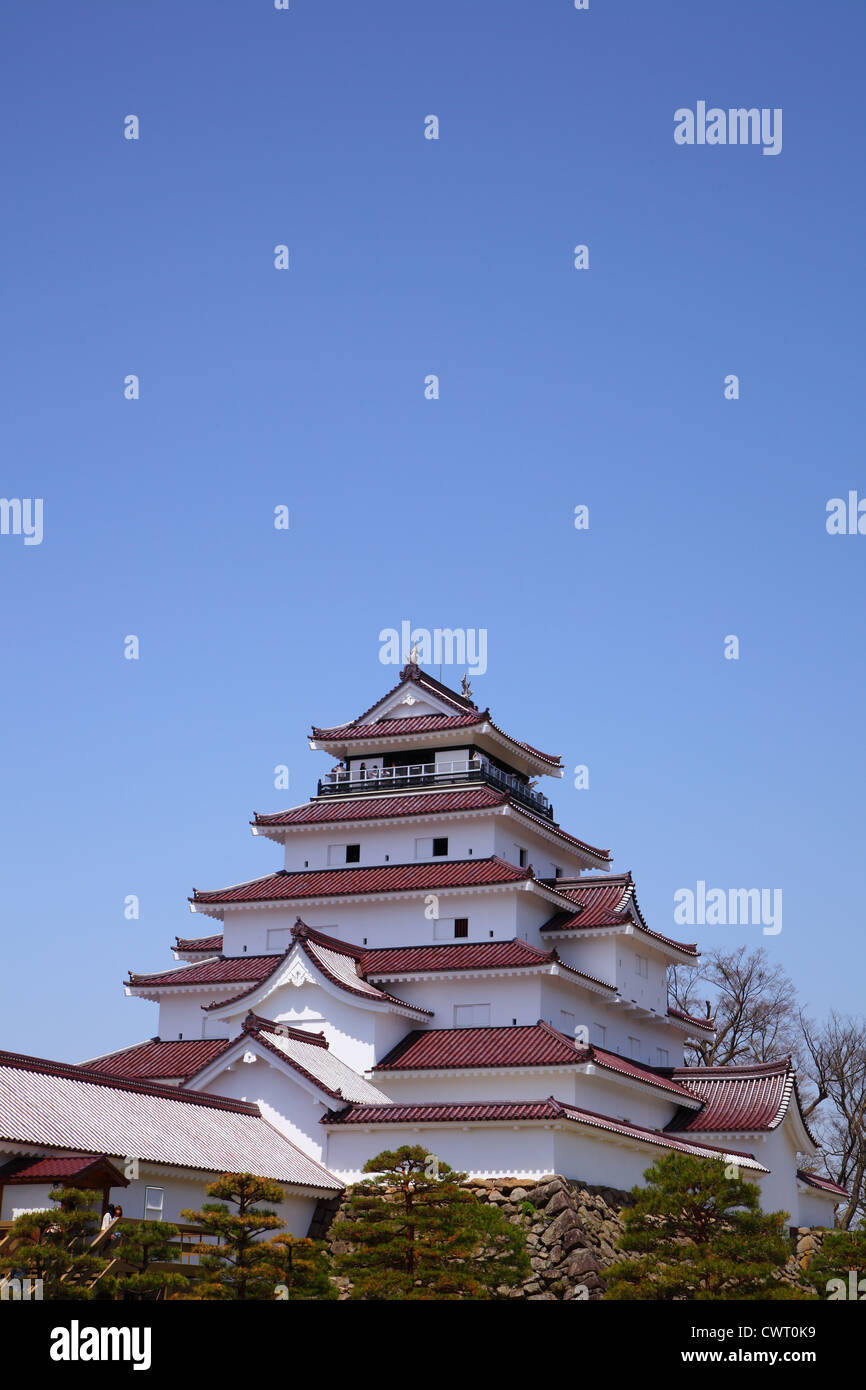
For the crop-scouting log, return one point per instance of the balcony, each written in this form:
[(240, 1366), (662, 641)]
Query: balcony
[(343, 782)]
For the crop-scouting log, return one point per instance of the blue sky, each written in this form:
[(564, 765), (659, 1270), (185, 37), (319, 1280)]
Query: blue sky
[(306, 388)]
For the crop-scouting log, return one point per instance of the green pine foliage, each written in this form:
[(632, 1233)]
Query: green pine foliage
[(298, 1268), (136, 1248), (841, 1254), (55, 1246), (697, 1232), (414, 1233), (241, 1266)]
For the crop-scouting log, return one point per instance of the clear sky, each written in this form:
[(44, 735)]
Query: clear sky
[(305, 387)]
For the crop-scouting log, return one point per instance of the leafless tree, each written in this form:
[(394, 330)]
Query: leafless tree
[(835, 1068), (753, 1003)]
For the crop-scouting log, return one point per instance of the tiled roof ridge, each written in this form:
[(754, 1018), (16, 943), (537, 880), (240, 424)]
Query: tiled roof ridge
[(443, 948), (218, 896), (820, 1181), (192, 943), (69, 1070), (255, 1023), (414, 673), (551, 1108), (354, 954), (708, 1023), (302, 932), (372, 796), (725, 1071), (254, 984)]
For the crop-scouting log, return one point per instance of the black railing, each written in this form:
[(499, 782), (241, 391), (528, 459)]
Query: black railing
[(346, 782)]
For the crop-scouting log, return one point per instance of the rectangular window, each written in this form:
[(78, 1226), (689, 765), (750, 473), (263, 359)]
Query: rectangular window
[(663, 1057), (424, 849), (337, 854), (522, 856), (599, 1034), (440, 847), (353, 854), (641, 966), (557, 871), (471, 1015), (154, 1200), (567, 1022), (461, 926), (634, 1048)]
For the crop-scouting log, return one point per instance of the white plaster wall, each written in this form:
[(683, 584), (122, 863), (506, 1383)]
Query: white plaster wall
[(598, 1092), (491, 1151), (350, 1031), (509, 997), (814, 1210), (390, 844), (394, 922), (179, 1192), (289, 1106)]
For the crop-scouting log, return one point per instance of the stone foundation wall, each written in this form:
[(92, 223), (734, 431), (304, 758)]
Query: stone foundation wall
[(572, 1230)]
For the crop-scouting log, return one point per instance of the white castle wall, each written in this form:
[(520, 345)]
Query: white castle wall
[(180, 1191), (478, 837), (288, 1106)]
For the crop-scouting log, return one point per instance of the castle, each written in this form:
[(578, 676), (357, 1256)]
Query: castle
[(436, 962)]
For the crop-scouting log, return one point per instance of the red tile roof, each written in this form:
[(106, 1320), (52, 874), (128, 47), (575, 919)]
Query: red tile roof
[(221, 970), (470, 955), (468, 714), (55, 1168), (158, 1059), (534, 1045), (706, 1025), (470, 1112), (400, 806), (746, 1098), (342, 964), (384, 961), (207, 945), (338, 962), (308, 1054), (60, 1106), (823, 1184), (396, 728), (294, 885), (610, 901), (389, 807)]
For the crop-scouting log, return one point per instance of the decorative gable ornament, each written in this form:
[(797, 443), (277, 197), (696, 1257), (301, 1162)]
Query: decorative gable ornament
[(298, 975)]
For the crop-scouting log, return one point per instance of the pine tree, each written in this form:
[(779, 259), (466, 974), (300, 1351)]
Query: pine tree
[(842, 1255), (140, 1245), (54, 1246), (298, 1267), (414, 1233), (241, 1266), (700, 1234)]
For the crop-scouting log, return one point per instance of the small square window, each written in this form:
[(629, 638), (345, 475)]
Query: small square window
[(353, 854), (440, 847), (461, 926), (154, 1201)]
